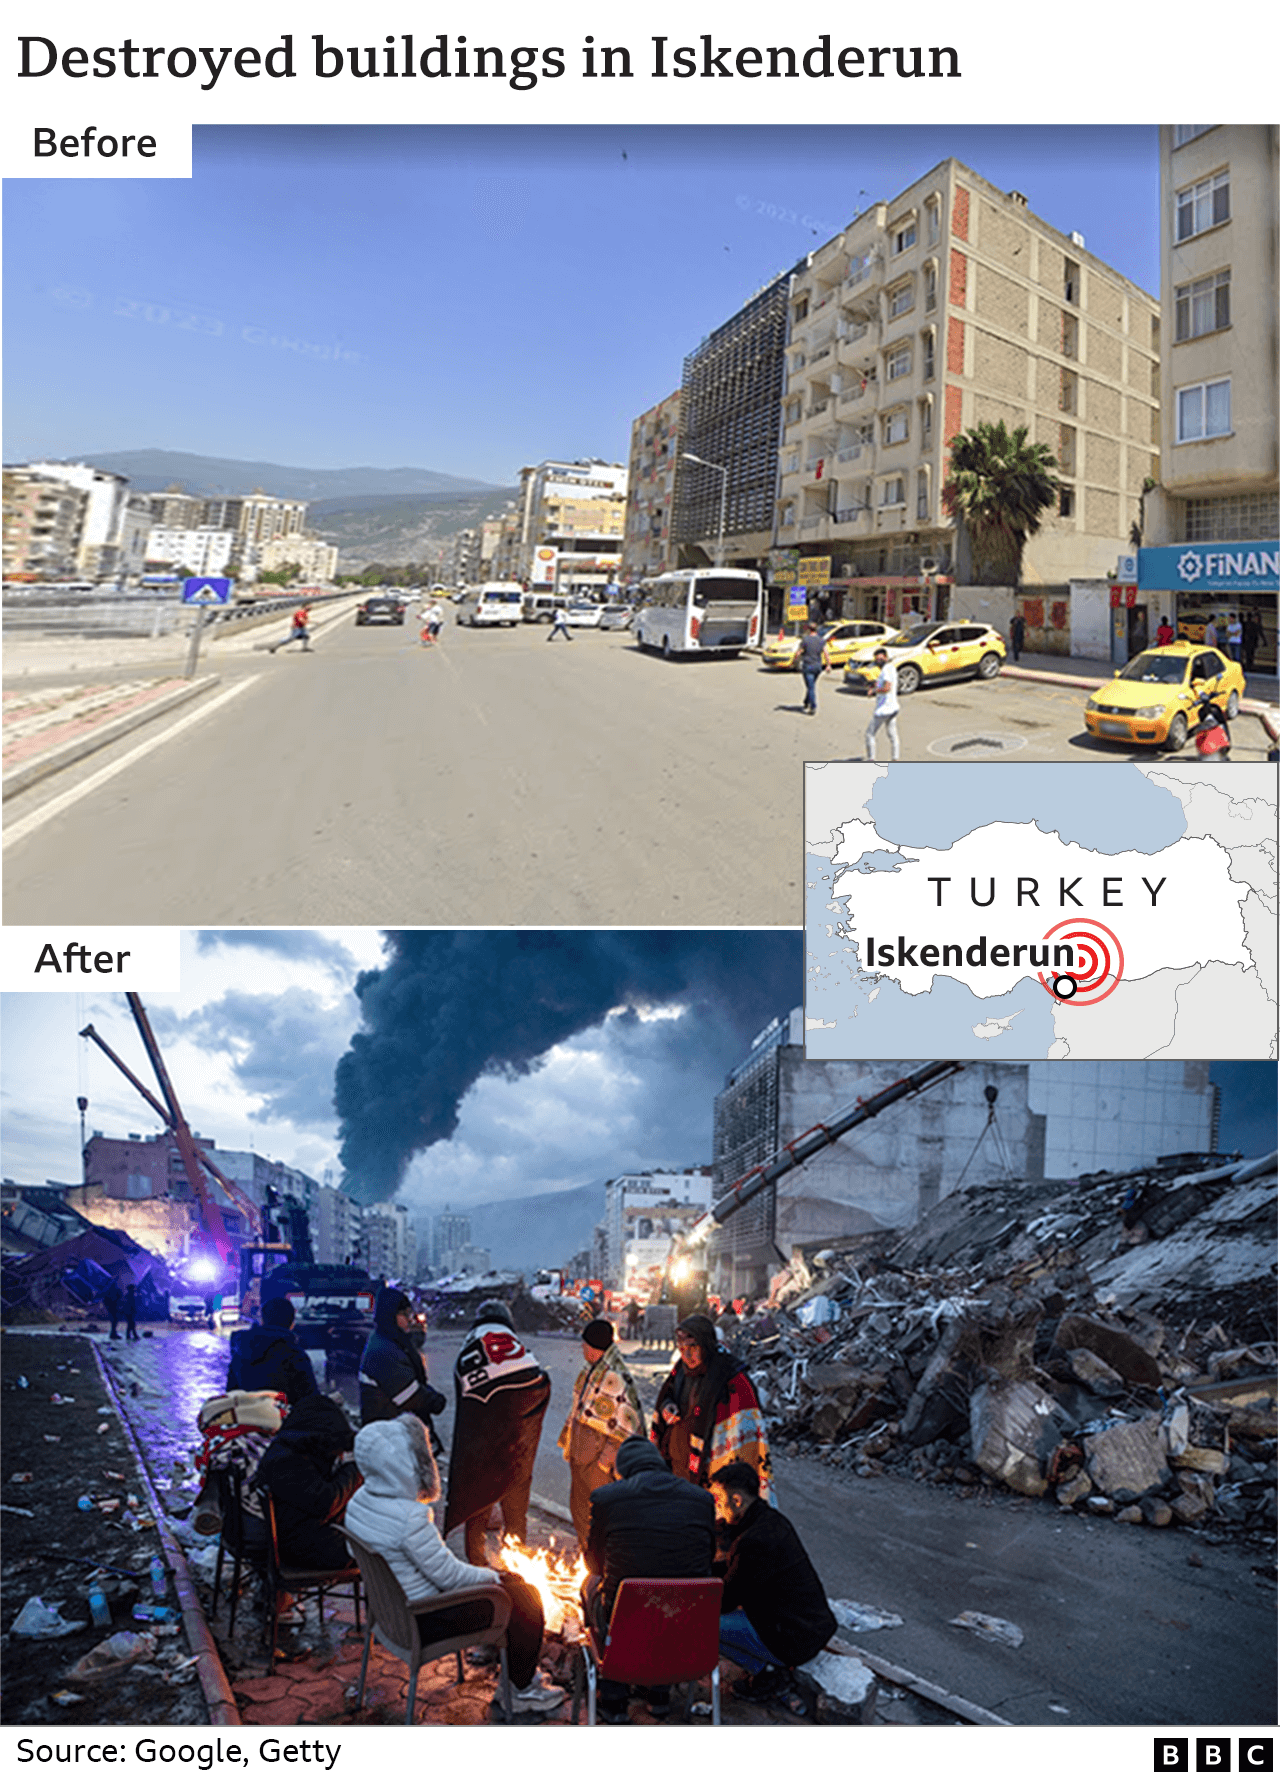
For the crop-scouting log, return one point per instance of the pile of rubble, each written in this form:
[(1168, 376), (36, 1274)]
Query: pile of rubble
[(1109, 1342)]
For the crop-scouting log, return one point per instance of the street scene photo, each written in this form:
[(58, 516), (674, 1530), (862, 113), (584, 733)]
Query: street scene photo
[(944, 445), (463, 1327)]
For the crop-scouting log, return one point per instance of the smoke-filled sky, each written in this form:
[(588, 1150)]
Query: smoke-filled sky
[(538, 1062), (525, 1063)]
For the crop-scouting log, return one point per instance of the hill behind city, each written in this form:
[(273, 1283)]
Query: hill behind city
[(151, 469)]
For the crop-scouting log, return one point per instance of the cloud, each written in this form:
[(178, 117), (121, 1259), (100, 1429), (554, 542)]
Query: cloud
[(294, 944)]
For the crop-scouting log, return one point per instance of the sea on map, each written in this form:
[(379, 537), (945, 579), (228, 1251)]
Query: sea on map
[(1036, 911)]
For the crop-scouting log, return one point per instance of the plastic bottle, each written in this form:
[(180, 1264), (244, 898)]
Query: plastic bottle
[(84, 1503), (99, 1607), (154, 1612), (159, 1578)]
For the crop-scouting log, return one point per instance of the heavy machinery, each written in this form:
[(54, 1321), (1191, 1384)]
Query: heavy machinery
[(685, 1280), (233, 1262)]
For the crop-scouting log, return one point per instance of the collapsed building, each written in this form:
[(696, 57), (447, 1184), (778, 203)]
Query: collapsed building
[(1108, 1342)]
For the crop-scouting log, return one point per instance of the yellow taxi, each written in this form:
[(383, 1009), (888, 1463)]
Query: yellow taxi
[(841, 639), (944, 650), (1154, 698)]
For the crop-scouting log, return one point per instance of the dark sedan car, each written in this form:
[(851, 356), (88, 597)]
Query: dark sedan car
[(380, 609)]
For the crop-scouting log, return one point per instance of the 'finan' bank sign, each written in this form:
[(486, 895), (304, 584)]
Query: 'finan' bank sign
[(1247, 567)]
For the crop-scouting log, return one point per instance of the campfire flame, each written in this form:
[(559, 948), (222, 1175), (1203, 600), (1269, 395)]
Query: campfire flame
[(557, 1578)]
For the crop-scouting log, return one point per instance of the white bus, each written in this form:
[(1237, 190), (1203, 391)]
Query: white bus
[(702, 612), (491, 603)]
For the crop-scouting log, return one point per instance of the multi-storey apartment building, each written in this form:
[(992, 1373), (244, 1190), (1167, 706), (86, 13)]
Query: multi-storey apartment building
[(648, 547), (953, 303), (571, 518), (201, 550), (43, 521), (97, 549), (1211, 529), (316, 560)]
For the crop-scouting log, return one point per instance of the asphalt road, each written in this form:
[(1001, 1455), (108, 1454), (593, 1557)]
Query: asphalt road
[(494, 780)]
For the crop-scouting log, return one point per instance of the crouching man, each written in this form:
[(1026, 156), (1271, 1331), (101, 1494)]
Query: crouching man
[(774, 1614)]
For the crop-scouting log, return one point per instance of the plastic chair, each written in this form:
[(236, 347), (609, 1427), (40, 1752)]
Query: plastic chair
[(661, 1631), (298, 1580), (393, 1622)]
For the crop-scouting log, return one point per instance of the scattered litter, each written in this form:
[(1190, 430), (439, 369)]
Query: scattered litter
[(989, 1627), (16, 1510), (63, 1698), (50, 1438), (845, 1680), (102, 1428), (39, 1620), (105, 1411), (21, 1478), (862, 1618), (58, 1399), (1057, 1708), (111, 1656), (23, 1382)]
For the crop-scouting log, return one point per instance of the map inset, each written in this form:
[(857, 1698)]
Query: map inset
[(1014, 911)]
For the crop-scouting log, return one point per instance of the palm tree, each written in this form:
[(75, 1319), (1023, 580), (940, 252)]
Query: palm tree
[(999, 486)]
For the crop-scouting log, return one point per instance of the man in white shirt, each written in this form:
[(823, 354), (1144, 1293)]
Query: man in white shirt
[(886, 706)]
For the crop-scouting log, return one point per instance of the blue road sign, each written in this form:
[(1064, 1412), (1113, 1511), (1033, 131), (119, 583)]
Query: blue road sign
[(207, 590)]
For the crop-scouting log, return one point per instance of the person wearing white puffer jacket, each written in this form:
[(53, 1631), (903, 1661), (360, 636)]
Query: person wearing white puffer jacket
[(391, 1513)]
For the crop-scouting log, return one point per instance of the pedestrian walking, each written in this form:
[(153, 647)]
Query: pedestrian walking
[(299, 631), (1251, 637), (131, 1313), (560, 622), (1164, 634), (813, 658), (1235, 635), (432, 620), (1017, 634), (886, 706)]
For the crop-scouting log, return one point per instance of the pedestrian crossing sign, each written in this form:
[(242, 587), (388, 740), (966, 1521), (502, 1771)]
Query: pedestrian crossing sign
[(207, 590)]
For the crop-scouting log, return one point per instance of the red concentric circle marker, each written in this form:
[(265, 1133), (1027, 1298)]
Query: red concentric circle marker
[(1098, 967)]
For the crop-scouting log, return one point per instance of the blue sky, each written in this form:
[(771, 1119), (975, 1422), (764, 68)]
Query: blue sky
[(460, 299)]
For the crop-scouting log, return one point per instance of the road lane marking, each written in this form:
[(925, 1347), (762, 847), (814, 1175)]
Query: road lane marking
[(25, 826)]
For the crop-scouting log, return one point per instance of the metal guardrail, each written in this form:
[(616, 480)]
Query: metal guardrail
[(137, 615)]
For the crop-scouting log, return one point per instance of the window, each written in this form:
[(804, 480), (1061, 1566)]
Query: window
[(898, 364), (1067, 450), (927, 342), (922, 494), (1068, 388), (1204, 411), (1071, 281), (1183, 133), (1070, 337), (801, 309), (931, 285), (904, 237), (1203, 206), (1202, 307), (895, 427), (901, 298), (894, 492), (926, 422), (1066, 503), (932, 217)]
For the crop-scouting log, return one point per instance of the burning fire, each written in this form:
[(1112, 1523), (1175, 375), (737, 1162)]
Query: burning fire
[(557, 1579)]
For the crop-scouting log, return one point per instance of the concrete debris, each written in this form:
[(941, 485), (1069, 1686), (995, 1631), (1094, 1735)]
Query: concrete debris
[(1109, 1343), (843, 1680), (861, 1617), (989, 1627)]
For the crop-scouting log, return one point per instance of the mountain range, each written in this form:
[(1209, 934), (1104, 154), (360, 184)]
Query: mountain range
[(537, 1230), (151, 469)]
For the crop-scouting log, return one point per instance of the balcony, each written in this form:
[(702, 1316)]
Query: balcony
[(858, 393), (817, 408), (813, 524)]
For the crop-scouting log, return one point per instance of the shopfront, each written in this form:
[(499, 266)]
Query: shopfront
[(1190, 584)]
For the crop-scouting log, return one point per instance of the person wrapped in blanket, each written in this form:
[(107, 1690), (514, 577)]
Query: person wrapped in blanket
[(707, 1412), (604, 1413), (501, 1396), (237, 1428)]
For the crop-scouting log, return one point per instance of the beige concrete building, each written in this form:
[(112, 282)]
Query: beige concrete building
[(950, 304), (648, 547), (1220, 490), (43, 520), (316, 560), (98, 547), (571, 518)]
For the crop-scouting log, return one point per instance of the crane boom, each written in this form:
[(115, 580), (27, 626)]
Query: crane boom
[(800, 1149)]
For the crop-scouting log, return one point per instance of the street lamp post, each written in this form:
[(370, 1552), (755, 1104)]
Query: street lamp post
[(706, 463)]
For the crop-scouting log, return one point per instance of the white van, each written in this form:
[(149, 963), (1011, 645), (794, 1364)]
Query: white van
[(491, 603), (539, 609)]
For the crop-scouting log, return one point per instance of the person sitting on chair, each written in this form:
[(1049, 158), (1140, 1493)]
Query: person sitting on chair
[(391, 1514), (648, 1524), (310, 1484), (774, 1614)]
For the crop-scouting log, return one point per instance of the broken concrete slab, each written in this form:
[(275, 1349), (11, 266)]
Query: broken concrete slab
[(1092, 1371), (1128, 1460), (1015, 1426), (1120, 1352)]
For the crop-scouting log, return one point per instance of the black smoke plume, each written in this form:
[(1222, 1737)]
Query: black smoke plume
[(450, 1007)]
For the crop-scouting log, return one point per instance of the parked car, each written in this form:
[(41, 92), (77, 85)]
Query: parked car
[(381, 609), (583, 612), (841, 640), (1154, 698), (616, 618), (943, 651)]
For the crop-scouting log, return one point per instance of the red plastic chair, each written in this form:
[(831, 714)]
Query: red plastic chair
[(662, 1630)]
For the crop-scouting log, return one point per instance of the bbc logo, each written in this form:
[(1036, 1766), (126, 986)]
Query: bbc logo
[(1253, 1756)]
